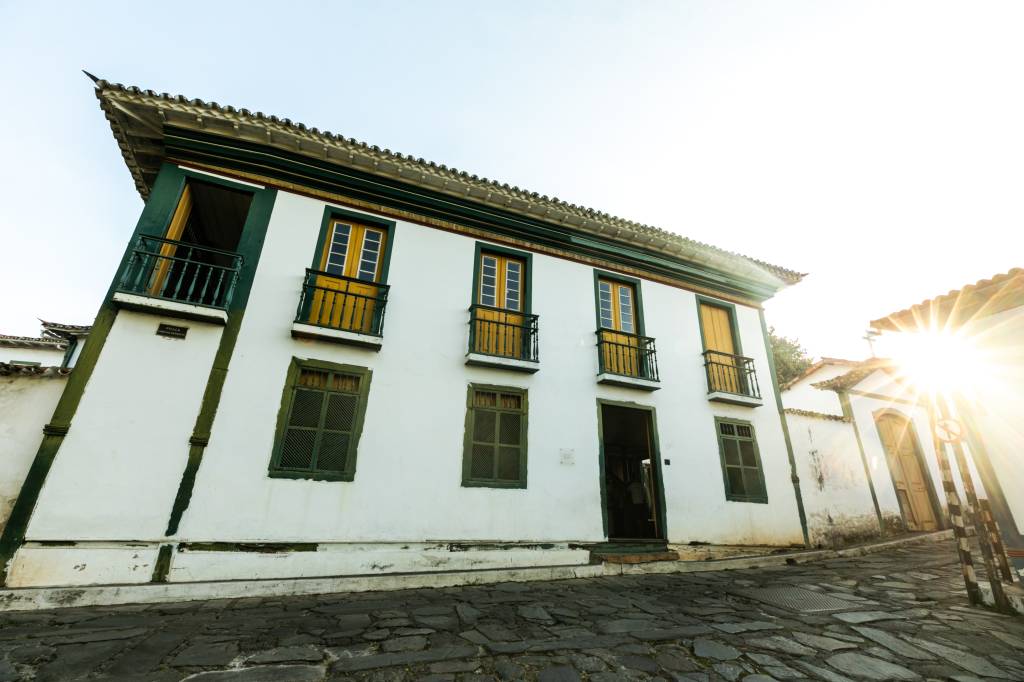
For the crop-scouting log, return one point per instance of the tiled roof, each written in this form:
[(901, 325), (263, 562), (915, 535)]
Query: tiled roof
[(824, 362), (13, 370), (31, 342), (981, 299), (861, 372), (55, 335), (146, 111)]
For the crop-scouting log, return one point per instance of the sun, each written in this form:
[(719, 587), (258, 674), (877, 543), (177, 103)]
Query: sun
[(940, 362)]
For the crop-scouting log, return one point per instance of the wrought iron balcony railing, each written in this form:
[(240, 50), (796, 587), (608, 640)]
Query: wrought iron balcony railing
[(729, 373), (503, 333), (342, 303), (627, 355), (179, 271)]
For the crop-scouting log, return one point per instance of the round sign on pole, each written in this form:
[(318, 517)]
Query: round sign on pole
[(949, 430)]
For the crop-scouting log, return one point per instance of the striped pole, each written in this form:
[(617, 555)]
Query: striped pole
[(974, 515), (956, 518), (996, 539)]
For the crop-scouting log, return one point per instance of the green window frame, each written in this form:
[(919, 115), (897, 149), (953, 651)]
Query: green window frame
[(494, 452), (320, 421), (742, 472)]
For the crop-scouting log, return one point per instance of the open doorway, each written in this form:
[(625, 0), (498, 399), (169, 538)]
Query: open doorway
[(633, 494)]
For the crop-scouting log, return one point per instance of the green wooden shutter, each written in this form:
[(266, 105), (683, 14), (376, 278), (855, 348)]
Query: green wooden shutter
[(496, 438), (741, 463)]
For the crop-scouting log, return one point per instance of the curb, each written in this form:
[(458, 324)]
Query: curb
[(38, 598)]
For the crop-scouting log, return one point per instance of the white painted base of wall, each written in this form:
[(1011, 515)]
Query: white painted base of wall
[(627, 382), (735, 399), (29, 599), (311, 331), (481, 360), (187, 311), (346, 559), (100, 563)]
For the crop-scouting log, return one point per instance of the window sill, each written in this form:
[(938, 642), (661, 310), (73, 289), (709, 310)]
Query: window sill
[(735, 399), (160, 306), (514, 364), (507, 485), (748, 500), (311, 475), (310, 331), (627, 381)]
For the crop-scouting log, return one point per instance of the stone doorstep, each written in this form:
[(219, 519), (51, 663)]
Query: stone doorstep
[(39, 598)]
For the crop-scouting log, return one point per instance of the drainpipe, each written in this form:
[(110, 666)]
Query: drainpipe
[(785, 432), (844, 401)]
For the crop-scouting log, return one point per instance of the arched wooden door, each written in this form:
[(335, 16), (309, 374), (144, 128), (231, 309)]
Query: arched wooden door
[(907, 468)]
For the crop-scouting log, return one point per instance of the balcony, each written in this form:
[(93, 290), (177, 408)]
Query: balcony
[(341, 310), (502, 338), (179, 279), (627, 360), (731, 379)]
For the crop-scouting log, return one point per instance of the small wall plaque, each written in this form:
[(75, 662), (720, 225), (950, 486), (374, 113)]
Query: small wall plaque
[(171, 331)]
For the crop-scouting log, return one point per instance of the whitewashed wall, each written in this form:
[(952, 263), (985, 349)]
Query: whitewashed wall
[(116, 475), (26, 405), (837, 499), (804, 396), (47, 357)]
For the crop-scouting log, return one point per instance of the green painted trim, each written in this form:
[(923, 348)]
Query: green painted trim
[(933, 496), (155, 217), (72, 344), (844, 402), (467, 439), (162, 566), (254, 547), (655, 455), (623, 279), (303, 171), (483, 247), (332, 212), (274, 469), (734, 326), (250, 247), (729, 495), (794, 476)]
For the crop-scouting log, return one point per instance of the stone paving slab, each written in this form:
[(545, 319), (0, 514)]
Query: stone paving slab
[(908, 619)]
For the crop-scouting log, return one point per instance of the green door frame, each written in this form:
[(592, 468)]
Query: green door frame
[(652, 424)]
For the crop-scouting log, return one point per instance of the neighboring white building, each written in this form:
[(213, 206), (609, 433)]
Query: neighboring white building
[(865, 454), (321, 358), (985, 321), (33, 372)]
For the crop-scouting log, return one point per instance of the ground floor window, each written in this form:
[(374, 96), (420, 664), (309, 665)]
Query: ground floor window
[(741, 462), (320, 420), (495, 444)]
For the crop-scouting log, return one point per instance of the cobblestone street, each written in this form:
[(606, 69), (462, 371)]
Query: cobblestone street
[(903, 615)]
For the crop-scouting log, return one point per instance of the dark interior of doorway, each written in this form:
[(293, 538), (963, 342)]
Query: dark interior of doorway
[(631, 475)]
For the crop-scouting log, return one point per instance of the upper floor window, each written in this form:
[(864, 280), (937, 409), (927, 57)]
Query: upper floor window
[(500, 321)]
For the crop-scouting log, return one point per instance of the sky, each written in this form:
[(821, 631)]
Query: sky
[(876, 146)]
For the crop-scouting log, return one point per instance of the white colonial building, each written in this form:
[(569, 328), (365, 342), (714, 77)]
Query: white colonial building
[(320, 358), (866, 456), (976, 333)]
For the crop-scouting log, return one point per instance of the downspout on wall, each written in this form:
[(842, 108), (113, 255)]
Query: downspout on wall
[(785, 434)]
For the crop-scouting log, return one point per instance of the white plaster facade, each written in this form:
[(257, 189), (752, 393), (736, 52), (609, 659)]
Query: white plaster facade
[(113, 482), (26, 403), (834, 474)]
